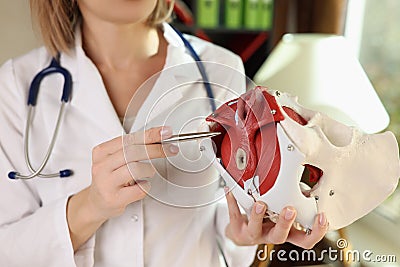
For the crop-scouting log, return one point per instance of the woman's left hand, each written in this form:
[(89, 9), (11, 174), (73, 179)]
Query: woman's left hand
[(254, 231)]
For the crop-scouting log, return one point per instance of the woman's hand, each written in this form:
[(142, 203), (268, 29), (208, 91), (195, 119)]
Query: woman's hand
[(254, 231), (117, 173)]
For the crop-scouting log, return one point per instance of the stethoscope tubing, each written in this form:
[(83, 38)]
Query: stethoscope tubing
[(53, 68), (37, 172), (56, 68), (201, 68)]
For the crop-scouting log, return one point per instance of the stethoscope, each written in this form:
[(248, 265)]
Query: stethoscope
[(56, 68)]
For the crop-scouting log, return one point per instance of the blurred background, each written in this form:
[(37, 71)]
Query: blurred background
[(17, 35)]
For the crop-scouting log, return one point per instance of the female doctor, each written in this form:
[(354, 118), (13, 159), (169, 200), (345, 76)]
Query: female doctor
[(102, 214)]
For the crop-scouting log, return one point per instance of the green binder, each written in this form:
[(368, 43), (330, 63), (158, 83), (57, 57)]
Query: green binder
[(251, 13), (208, 13), (233, 13), (265, 14)]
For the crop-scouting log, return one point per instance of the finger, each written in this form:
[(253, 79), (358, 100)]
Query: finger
[(139, 152), (133, 171), (235, 216), (130, 194), (150, 151), (150, 136), (255, 225), (279, 233), (105, 149), (320, 227)]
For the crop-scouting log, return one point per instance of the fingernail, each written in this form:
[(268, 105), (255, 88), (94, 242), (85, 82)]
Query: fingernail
[(173, 149), (259, 208), (322, 219), (226, 189), (289, 214), (166, 132)]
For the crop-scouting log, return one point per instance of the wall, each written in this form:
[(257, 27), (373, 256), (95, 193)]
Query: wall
[(16, 34)]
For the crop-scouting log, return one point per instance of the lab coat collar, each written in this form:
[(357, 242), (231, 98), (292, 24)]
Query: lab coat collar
[(173, 39), (69, 60), (178, 55), (177, 58), (161, 98), (171, 36), (90, 96)]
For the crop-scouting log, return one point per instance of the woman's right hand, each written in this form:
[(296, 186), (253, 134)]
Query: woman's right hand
[(117, 173)]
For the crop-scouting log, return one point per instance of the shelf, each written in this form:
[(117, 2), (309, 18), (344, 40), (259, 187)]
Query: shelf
[(252, 45), (219, 30)]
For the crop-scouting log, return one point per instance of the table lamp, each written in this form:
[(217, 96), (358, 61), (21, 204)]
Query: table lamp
[(326, 76)]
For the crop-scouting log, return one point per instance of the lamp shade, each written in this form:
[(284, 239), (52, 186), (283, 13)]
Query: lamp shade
[(326, 76)]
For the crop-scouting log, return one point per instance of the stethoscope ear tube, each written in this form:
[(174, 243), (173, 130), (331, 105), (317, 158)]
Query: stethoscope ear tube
[(62, 174), (13, 175), (53, 68)]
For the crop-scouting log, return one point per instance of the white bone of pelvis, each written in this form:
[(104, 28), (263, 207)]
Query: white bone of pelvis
[(286, 189), (359, 170)]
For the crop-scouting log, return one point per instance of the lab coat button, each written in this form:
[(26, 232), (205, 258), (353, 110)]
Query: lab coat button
[(134, 218)]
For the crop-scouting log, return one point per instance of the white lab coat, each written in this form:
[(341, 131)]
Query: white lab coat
[(151, 232)]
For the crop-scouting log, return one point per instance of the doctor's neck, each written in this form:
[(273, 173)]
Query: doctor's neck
[(119, 46)]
